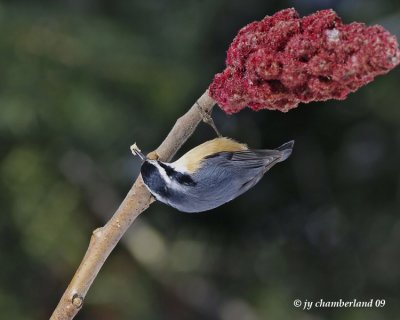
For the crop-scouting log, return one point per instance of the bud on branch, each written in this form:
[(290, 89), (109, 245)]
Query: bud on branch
[(283, 60)]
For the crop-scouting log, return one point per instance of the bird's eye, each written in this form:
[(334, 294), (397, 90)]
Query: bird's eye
[(185, 180)]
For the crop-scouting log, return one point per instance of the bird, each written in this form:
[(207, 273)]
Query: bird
[(209, 175)]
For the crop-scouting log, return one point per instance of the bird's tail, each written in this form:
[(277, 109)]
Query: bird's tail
[(286, 150)]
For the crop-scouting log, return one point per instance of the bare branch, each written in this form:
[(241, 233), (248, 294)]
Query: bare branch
[(137, 200)]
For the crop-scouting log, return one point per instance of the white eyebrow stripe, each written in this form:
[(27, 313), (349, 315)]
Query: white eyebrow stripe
[(168, 180), (162, 171)]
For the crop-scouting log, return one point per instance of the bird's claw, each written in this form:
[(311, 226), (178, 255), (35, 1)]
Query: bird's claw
[(206, 116)]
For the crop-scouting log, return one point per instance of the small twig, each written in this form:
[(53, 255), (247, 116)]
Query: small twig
[(137, 200)]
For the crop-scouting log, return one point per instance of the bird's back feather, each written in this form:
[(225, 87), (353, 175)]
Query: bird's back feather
[(191, 161)]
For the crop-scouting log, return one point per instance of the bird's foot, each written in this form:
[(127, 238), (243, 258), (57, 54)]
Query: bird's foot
[(206, 116)]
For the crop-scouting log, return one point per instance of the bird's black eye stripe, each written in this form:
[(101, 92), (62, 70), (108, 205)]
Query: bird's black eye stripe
[(168, 170), (182, 178)]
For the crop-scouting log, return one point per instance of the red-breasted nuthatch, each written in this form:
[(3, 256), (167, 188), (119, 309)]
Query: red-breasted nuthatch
[(209, 175)]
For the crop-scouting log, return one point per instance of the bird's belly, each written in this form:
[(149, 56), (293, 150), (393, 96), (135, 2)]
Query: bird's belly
[(203, 200), (213, 191), (193, 204)]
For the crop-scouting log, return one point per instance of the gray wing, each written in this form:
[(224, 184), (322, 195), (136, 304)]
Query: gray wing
[(229, 174), (255, 162), (256, 159), (250, 160)]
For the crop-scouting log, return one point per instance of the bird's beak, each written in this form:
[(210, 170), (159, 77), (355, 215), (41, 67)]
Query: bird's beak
[(136, 152)]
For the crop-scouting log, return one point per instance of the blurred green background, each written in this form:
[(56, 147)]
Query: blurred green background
[(84, 79)]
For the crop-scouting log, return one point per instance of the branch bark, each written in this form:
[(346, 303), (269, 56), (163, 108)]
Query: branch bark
[(138, 199)]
